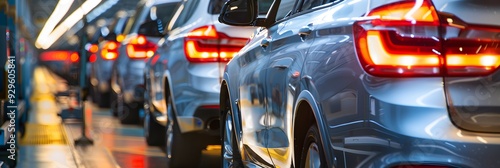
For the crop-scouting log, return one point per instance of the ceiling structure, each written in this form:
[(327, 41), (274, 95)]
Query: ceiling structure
[(69, 36)]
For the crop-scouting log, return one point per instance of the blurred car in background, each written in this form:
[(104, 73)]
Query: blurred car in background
[(364, 83), (143, 31), (183, 81), (65, 63), (103, 58)]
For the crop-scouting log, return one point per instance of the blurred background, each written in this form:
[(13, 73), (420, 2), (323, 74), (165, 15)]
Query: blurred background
[(64, 53)]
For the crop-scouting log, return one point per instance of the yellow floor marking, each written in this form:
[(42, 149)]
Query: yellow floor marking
[(40, 134)]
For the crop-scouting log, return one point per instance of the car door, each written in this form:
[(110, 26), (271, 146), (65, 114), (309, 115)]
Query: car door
[(252, 99), (288, 50)]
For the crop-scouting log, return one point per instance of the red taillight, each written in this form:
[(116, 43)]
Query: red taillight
[(405, 39), (400, 39), (210, 107), (60, 56), (474, 51), (92, 58), (140, 48), (205, 44), (74, 57), (93, 48), (110, 50)]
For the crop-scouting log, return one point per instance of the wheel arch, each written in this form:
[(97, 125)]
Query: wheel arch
[(226, 94), (306, 113), (167, 82)]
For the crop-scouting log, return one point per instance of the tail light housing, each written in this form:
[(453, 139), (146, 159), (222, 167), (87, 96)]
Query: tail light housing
[(71, 56), (470, 50), (110, 50), (140, 48), (205, 44), (92, 49), (408, 38)]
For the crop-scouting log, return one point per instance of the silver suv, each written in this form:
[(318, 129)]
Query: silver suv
[(364, 83), (142, 34), (183, 80)]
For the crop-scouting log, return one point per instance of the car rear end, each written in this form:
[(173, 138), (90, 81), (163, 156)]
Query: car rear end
[(431, 76), (106, 55), (136, 48), (65, 63), (206, 47)]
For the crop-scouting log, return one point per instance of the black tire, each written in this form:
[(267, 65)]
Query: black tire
[(153, 131), (312, 150), (183, 150), (128, 113)]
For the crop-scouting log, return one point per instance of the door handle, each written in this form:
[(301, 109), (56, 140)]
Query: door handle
[(283, 63), (264, 43), (305, 31)]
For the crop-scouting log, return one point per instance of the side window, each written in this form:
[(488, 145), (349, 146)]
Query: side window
[(285, 8), (308, 4), (187, 11), (264, 6)]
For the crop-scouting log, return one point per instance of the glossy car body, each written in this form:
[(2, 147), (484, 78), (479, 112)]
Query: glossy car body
[(102, 61), (325, 87), (127, 75), (190, 85)]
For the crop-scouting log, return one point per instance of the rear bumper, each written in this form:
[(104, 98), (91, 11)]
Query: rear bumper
[(205, 120), (410, 126)]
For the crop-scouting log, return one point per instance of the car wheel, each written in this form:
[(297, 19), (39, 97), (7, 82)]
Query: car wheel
[(230, 154), (127, 113), (312, 152), (183, 150), (153, 131)]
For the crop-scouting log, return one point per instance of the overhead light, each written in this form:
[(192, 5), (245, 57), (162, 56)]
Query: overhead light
[(59, 12), (68, 23)]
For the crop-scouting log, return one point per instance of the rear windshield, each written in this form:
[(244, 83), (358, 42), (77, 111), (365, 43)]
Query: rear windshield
[(216, 6), (164, 12)]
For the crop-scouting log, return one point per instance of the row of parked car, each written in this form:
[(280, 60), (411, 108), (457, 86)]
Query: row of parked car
[(309, 83), (166, 60)]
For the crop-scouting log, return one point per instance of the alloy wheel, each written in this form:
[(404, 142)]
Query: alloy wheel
[(228, 143), (313, 157), (169, 129)]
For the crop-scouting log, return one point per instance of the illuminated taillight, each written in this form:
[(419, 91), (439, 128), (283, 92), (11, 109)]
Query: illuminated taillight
[(410, 38), (110, 50), (92, 58), (93, 48), (471, 50), (205, 44), (74, 57), (400, 39), (120, 38), (60, 56), (140, 48)]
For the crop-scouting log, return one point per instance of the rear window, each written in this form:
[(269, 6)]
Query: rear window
[(164, 12), (215, 6)]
